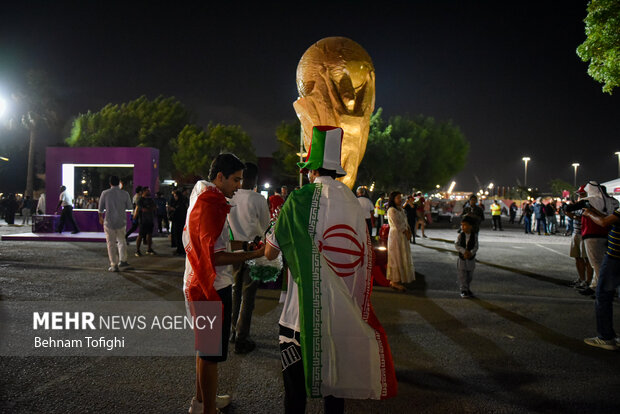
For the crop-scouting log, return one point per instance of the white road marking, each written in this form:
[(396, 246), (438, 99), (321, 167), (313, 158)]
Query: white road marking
[(550, 249)]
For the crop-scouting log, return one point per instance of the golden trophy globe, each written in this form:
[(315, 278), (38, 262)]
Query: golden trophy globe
[(336, 84)]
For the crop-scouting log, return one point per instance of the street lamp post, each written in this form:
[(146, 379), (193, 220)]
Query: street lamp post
[(575, 165), (526, 160), (618, 154)]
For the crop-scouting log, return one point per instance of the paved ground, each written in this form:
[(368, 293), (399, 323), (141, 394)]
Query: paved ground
[(516, 348)]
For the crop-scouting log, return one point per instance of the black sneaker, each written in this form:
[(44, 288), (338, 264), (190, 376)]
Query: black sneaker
[(151, 252), (469, 293), (464, 294), (244, 347), (587, 292), (138, 253)]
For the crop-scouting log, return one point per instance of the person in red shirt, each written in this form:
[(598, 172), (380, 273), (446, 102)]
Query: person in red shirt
[(275, 202)]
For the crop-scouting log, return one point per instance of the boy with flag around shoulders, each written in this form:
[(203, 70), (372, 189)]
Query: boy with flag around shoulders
[(208, 270)]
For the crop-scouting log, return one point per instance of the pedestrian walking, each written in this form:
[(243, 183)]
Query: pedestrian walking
[(113, 206), (66, 202)]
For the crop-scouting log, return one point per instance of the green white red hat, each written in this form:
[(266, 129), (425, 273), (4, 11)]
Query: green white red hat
[(325, 150)]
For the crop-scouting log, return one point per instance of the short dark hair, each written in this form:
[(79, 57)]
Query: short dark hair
[(138, 189), (330, 173), (114, 180), (63, 188), (470, 220), (250, 174), (227, 164)]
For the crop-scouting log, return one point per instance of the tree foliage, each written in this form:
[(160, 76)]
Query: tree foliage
[(558, 186), (197, 147), (411, 152), (139, 123), (285, 158), (602, 45)]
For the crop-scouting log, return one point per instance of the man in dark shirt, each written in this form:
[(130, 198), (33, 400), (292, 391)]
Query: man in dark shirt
[(145, 214), (177, 208), (162, 216), (471, 208)]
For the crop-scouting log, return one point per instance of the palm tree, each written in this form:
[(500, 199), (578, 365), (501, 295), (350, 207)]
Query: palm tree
[(36, 108)]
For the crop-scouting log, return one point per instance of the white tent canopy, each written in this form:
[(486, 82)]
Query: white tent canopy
[(613, 188)]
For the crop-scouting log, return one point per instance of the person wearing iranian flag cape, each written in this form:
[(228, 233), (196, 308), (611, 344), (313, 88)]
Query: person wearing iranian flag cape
[(208, 271), (331, 343)]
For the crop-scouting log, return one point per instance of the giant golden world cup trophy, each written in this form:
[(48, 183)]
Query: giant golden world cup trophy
[(336, 84)]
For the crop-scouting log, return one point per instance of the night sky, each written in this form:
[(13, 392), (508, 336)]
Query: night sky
[(505, 72)]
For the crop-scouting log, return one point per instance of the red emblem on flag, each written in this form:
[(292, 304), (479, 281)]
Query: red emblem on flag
[(346, 252)]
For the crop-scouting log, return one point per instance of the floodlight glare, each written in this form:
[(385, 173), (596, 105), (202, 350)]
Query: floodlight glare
[(2, 105), (451, 187)]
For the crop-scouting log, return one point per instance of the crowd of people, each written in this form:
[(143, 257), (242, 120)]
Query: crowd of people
[(324, 235), (11, 204)]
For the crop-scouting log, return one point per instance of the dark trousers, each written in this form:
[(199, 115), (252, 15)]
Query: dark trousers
[(369, 225), (177, 236), (379, 223), (541, 222), (243, 297), (605, 290), (412, 224), (67, 215), (497, 222), (162, 219), (294, 381), (134, 227)]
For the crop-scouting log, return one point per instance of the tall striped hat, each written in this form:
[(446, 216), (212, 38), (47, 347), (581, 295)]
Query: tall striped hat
[(325, 150)]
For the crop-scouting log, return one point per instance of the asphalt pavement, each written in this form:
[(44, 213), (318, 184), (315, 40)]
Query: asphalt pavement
[(517, 347)]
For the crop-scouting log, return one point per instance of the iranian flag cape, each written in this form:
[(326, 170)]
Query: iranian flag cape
[(205, 220), (323, 236)]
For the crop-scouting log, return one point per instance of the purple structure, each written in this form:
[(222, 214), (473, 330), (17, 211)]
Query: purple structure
[(59, 160)]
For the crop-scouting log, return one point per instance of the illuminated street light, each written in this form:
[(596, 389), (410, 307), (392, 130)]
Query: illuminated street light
[(4, 159), (451, 187), (575, 165), (266, 185), (618, 154), (526, 160)]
